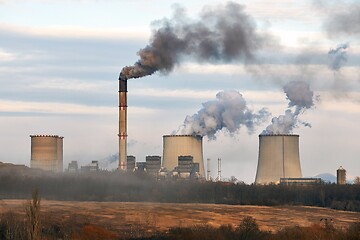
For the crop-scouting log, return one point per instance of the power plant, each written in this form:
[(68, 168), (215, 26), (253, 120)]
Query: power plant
[(278, 153), (182, 145), (278, 158), (122, 123), (47, 152)]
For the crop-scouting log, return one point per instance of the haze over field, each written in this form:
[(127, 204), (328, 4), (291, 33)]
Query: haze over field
[(226, 68)]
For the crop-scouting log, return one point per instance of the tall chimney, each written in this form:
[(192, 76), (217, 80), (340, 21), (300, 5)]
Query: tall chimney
[(122, 122)]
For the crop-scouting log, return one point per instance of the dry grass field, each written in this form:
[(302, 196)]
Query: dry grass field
[(162, 216)]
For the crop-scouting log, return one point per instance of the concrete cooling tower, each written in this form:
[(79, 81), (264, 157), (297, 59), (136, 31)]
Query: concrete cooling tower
[(182, 145), (278, 158), (47, 152)]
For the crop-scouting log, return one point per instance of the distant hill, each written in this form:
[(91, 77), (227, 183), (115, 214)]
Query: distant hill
[(327, 177)]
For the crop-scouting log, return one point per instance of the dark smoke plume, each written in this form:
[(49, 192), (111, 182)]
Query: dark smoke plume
[(222, 34), (338, 56), (344, 22), (301, 97), (228, 112)]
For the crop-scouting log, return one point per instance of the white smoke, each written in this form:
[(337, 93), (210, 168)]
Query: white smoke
[(227, 113), (301, 97)]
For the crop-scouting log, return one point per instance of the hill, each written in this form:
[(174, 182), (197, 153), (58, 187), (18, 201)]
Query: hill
[(327, 177)]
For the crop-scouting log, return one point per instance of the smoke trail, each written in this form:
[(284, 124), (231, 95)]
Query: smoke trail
[(301, 97), (338, 56), (228, 112), (222, 34)]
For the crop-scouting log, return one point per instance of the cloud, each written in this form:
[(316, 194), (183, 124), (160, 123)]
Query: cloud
[(51, 108), (170, 93), (33, 108), (74, 32), (6, 56)]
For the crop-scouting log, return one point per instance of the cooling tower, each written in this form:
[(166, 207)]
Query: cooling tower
[(278, 158), (47, 152), (182, 145)]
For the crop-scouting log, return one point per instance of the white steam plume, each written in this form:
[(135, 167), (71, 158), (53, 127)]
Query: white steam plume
[(228, 113), (301, 97)]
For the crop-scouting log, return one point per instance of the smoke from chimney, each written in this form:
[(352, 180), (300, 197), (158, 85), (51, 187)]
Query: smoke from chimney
[(228, 112), (301, 97), (222, 34), (344, 20), (338, 56)]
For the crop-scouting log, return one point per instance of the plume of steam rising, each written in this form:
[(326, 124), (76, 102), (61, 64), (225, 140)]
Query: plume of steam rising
[(338, 56), (105, 162), (301, 97), (221, 34), (228, 112)]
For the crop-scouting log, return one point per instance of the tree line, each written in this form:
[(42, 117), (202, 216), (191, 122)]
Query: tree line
[(115, 186)]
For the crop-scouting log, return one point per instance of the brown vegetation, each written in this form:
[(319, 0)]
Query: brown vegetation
[(94, 220)]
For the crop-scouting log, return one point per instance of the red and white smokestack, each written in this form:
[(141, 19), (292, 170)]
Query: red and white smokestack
[(122, 122)]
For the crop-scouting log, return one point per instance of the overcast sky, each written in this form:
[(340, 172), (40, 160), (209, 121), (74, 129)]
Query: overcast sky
[(60, 62)]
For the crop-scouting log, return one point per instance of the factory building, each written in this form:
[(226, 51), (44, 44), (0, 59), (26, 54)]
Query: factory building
[(278, 158), (341, 176), (92, 167), (300, 181), (182, 145), (47, 152), (153, 165), (130, 165), (140, 167), (73, 167), (187, 168)]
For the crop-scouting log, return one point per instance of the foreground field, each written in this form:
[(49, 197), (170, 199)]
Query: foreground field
[(162, 216)]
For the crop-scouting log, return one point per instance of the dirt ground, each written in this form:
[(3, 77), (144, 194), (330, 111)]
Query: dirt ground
[(162, 216)]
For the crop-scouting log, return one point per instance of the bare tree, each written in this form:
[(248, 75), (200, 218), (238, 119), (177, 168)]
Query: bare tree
[(32, 209)]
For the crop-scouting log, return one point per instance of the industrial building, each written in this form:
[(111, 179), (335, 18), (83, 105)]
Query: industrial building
[(187, 168), (92, 167), (300, 181), (140, 167), (341, 175), (153, 165), (182, 145), (47, 152), (73, 167), (130, 163), (278, 158)]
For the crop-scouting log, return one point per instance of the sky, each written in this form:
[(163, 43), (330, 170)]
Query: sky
[(60, 62)]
